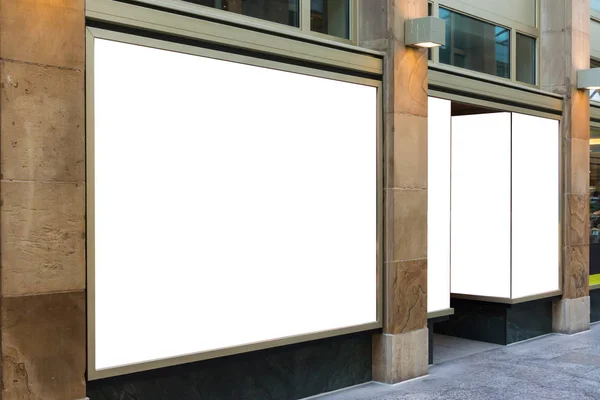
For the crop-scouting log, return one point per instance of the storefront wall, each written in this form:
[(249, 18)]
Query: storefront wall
[(43, 191), (244, 51)]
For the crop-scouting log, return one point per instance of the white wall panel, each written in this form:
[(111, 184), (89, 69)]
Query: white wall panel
[(535, 205), (438, 205), (480, 228), (233, 204)]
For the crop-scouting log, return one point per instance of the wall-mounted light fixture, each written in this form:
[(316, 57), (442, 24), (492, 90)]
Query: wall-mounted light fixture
[(588, 79), (425, 32)]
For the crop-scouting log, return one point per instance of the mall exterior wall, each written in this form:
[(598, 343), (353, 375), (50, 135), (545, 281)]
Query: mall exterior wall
[(43, 220)]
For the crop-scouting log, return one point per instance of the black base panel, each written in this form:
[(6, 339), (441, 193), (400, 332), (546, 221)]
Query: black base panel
[(594, 259), (431, 326), (498, 323), (283, 373), (595, 305)]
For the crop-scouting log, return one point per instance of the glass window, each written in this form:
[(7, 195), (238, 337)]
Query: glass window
[(331, 17), (595, 206), (280, 11), (595, 94), (596, 5), (430, 13), (475, 45), (526, 56)]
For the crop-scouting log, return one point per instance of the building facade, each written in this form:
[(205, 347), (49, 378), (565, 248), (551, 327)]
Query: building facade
[(274, 199)]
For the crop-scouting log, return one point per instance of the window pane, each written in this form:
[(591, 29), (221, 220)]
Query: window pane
[(594, 206), (280, 11), (526, 55), (331, 17), (596, 5), (430, 13), (475, 45), (595, 94)]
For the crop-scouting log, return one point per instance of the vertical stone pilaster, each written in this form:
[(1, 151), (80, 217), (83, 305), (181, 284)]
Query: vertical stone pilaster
[(401, 351), (42, 199), (565, 50)]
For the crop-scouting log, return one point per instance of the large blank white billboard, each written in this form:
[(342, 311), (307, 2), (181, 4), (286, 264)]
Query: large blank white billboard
[(233, 204), (481, 196), (505, 240), (438, 205), (535, 205)]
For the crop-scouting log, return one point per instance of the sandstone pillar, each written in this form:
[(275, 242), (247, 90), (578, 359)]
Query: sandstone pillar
[(566, 49), (400, 352), (42, 199)]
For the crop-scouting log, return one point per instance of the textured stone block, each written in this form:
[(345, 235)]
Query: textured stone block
[(554, 15), (42, 237), (410, 80), (372, 21), (409, 161), (571, 315), (576, 282), (406, 225), (580, 42), (578, 206), (406, 289), (400, 357), (580, 114), (42, 120), (553, 63), (579, 166), (43, 347), (49, 32)]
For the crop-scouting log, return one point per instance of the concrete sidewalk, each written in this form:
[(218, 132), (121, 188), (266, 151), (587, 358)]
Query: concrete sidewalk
[(553, 367)]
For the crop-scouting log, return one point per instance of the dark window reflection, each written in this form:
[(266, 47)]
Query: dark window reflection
[(526, 59), (475, 45), (430, 13), (280, 11), (331, 17)]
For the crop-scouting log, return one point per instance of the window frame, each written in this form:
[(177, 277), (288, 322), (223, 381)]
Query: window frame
[(302, 31), (514, 28)]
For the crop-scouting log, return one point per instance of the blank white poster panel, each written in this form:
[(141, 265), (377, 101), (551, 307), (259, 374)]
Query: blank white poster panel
[(438, 205), (535, 205), (233, 204), (480, 224)]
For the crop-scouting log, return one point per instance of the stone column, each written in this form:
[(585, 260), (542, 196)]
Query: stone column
[(42, 199), (566, 49), (400, 352)]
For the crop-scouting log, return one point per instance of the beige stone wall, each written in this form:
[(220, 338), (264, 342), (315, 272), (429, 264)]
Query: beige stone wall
[(565, 27), (566, 49), (42, 197), (401, 352)]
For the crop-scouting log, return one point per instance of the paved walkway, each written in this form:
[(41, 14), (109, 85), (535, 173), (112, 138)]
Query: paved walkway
[(556, 367)]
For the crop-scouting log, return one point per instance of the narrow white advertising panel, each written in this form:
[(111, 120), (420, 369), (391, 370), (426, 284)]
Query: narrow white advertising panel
[(480, 203), (438, 205), (233, 204), (535, 205)]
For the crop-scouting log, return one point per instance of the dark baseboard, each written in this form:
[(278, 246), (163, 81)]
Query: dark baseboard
[(498, 323), (282, 373), (595, 305)]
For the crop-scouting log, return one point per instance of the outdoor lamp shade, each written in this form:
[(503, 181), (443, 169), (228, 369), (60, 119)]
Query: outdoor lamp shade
[(425, 32), (588, 79)]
